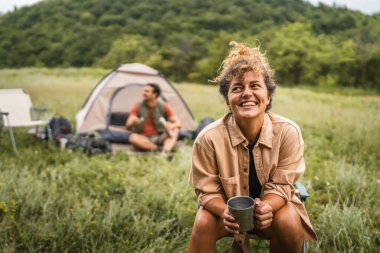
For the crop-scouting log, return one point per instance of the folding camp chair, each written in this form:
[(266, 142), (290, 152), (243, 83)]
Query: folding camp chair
[(5, 115), (17, 111), (302, 194)]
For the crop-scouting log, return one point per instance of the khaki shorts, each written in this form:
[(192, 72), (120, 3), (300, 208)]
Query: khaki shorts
[(157, 139)]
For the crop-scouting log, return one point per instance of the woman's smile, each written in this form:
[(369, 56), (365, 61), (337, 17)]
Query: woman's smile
[(248, 104)]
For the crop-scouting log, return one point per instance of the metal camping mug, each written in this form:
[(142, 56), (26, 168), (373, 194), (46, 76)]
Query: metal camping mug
[(241, 207)]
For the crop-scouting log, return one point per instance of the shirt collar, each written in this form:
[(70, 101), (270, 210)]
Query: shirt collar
[(237, 137)]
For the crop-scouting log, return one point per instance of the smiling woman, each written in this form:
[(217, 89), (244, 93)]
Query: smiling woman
[(249, 152)]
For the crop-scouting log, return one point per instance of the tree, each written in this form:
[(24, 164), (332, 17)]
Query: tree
[(297, 55), (128, 49), (206, 67)]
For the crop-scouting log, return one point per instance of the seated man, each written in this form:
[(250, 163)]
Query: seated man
[(153, 124)]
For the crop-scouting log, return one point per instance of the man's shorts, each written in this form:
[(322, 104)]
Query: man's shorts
[(157, 139)]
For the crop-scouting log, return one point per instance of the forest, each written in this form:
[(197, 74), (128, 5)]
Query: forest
[(326, 46)]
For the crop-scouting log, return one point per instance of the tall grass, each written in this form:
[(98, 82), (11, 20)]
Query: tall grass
[(59, 201)]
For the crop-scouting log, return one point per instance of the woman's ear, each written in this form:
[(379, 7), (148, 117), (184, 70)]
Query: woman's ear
[(228, 106)]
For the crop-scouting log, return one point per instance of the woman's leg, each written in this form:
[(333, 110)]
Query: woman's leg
[(207, 230), (285, 233)]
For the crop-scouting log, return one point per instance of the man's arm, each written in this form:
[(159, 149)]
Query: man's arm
[(173, 122), (132, 121), (133, 118)]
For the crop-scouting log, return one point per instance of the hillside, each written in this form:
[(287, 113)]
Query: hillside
[(186, 40)]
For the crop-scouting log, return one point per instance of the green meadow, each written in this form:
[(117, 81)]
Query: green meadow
[(54, 200)]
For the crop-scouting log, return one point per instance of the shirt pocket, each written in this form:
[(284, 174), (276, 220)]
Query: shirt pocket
[(230, 185)]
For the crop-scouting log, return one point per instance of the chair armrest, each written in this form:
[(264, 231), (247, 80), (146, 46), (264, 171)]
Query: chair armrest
[(41, 109), (38, 113), (301, 191)]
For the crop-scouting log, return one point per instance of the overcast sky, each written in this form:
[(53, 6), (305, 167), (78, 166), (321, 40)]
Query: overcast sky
[(366, 6), (7, 5)]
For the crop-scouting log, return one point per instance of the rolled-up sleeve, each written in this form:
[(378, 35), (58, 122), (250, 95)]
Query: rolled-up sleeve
[(290, 166), (204, 175)]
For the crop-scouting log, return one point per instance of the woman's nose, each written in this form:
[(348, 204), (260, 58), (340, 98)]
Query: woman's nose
[(247, 91)]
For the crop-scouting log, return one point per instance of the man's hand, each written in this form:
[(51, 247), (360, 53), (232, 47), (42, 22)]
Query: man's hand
[(229, 223), (133, 121), (169, 126), (138, 121), (263, 214)]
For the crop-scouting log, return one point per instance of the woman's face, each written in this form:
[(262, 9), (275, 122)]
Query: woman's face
[(248, 98)]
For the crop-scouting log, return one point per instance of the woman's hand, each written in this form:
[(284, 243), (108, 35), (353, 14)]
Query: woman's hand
[(229, 223), (263, 214)]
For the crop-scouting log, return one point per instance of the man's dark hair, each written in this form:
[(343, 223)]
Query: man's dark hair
[(156, 89)]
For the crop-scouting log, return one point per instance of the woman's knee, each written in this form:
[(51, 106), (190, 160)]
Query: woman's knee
[(287, 219), (208, 225), (287, 232), (205, 232), (205, 222)]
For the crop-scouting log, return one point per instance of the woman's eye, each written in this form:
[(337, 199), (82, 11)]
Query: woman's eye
[(254, 85), (236, 89)]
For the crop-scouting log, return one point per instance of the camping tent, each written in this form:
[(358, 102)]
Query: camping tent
[(111, 100)]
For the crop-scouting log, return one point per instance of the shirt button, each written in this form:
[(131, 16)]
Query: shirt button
[(245, 187)]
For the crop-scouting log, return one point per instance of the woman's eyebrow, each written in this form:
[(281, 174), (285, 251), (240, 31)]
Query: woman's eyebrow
[(236, 83), (255, 81)]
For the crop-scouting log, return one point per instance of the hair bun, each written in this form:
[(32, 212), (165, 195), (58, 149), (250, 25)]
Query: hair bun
[(233, 43)]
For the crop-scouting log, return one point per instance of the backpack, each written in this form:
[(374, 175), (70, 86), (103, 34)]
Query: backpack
[(204, 122), (90, 143), (93, 143), (59, 127)]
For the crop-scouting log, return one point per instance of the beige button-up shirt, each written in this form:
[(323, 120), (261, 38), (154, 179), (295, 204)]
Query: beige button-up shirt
[(220, 164)]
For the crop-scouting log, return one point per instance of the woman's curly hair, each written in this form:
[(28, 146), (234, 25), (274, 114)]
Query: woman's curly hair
[(240, 60)]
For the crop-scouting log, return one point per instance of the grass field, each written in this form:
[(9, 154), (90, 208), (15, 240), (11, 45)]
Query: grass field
[(61, 201)]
